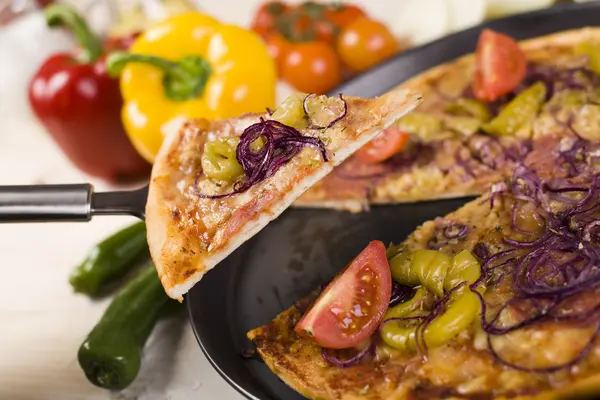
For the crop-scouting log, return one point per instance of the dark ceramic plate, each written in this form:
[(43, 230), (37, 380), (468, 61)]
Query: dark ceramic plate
[(304, 248)]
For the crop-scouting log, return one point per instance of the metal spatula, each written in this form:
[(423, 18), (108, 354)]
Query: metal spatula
[(67, 203)]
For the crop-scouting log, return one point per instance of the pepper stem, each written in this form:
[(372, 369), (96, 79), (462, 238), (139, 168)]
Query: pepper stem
[(63, 15), (183, 80)]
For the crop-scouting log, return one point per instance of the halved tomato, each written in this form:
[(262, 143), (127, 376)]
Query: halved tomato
[(500, 66), (385, 145), (352, 306)]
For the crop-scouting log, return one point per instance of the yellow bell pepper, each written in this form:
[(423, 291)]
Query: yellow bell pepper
[(190, 66)]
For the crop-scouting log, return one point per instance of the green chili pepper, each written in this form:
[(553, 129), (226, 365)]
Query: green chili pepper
[(466, 126), (461, 310), (431, 267), (400, 334), (465, 268), (111, 354), (458, 315), (219, 159), (520, 110), (406, 308), (401, 271), (426, 127), (471, 107), (111, 259), (592, 50), (291, 111)]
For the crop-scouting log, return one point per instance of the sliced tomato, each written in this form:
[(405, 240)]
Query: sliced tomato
[(352, 306), (385, 145), (500, 66)]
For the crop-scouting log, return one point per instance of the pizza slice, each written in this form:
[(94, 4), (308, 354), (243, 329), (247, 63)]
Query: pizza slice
[(471, 131), (499, 299), (216, 184)]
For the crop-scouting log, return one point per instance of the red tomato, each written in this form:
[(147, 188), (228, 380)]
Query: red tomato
[(278, 47), (342, 15), (499, 66), (364, 43), (351, 307), (305, 28), (311, 67), (385, 145), (325, 32), (265, 19)]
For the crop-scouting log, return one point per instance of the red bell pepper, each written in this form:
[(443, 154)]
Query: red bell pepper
[(80, 105)]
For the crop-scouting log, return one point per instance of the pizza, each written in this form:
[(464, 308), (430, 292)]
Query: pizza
[(215, 184), (471, 130), (499, 299)]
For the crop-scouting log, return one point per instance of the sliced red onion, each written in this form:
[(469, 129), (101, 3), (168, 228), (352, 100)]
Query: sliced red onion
[(592, 229), (280, 144), (400, 293), (481, 251), (449, 232), (357, 358), (455, 231)]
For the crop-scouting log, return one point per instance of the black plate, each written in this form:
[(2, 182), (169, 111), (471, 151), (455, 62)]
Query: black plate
[(304, 248)]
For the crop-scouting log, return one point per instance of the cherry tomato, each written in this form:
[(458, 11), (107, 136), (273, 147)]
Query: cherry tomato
[(305, 27), (500, 65), (364, 43), (265, 19), (342, 15), (325, 32), (385, 145), (351, 307), (278, 47), (311, 67)]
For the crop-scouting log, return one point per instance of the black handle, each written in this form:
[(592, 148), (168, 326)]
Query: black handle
[(47, 203)]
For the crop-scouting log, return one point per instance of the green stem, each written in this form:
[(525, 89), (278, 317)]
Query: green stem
[(183, 80), (63, 15)]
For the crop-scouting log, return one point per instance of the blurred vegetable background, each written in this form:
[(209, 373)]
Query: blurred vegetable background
[(107, 80), (309, 46)]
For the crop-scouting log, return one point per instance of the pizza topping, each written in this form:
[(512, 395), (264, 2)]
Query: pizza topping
[(579, 157), (469, 107), (552, 276), (592, 51), (290, 111), (427, 127), (447, 233), (422, 299), (519, 111), (406, 327), (500, 65), (323, 112), (219, 160), (336, 359), (263, 148), (383, 147), (465, 126), (400, 293), (351, 307)]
